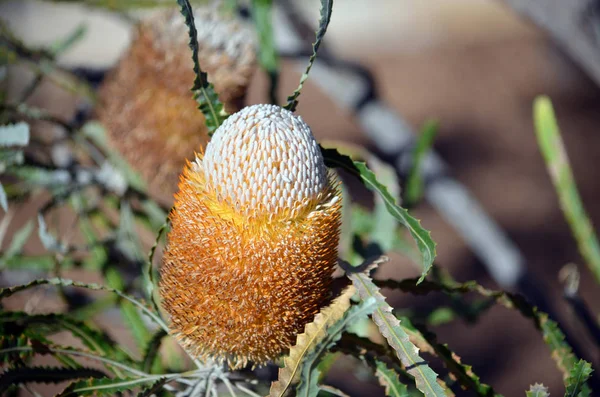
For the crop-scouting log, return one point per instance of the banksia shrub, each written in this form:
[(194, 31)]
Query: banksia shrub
[(146, 103), (254, 237)]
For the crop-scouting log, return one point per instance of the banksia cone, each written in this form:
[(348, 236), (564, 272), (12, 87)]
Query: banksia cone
[(253, 242), (146, 103)]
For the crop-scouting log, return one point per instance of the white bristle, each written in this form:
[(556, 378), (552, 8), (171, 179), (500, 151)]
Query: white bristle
[(265, 159)]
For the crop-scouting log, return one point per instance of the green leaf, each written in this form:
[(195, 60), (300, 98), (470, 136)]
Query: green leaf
[(388, 378), (306, 344), (554, 338), (3, 199), (391, 329), (6, 292), (151, 350), (104, 387), (132, 318), (151, 390), (96, 132), (48, 240), (325, 12), (93, 339), (414, 183), (204, 92), (149, 280), (421, 236), (557, 162), (18, 375), (385, 225), (18, 241), (267, 54), (14, 134), (537, 390), (463, 373), (576, 386), (59, 47), (310, 373)]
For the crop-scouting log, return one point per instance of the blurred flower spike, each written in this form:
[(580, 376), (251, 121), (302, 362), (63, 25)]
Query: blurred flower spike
[(254, 239)]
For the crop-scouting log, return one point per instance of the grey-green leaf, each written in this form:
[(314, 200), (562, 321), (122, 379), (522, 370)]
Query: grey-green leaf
[(14, 134), (421, 236), (326, 8), (391, 329)]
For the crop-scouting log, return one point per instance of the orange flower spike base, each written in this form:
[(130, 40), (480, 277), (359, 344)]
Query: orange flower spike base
[(254, 238)]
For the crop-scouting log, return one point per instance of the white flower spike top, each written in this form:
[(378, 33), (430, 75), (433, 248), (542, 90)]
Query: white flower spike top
[(265, 160)]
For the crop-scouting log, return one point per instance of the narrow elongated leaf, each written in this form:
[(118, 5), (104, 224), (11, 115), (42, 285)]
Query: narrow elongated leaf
[(105, 386), (267, 55), (6, 292), (48, 240), (326, 8), (14, 134), (18, 241), (421, 236), (93, 339), (152, 389), (554, 338), (306, 342), (308, 386), (12, 376), (149, 269), (463, 373), (3, 199), (414, 183), (388, 378), (557, 162), (204, 92), (151, 351), (537, 390), (576, 386), (396, 336), (130, 314)]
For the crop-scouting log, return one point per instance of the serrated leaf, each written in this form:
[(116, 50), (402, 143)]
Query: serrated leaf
[(391, 329), (95, 340), (14, 134), (557, 162), (554, 338), (152, 389), (463, 373), (204, 92), (149, 280), (18, 375), (537, 390), (104, 387), (421, 236), (6, 292), (306, 343), (151, 350), (48, 240), (388, 378), (308, 386), (576, 383), (325, 17)]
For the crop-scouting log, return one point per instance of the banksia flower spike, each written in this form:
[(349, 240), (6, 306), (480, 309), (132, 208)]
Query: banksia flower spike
[(146, 104), (253, 242)]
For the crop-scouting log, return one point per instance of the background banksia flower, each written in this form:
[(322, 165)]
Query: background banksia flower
[(254, 239), (146, 103)]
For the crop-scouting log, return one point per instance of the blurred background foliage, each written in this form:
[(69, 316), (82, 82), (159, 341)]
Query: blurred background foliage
[(392, 80)]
